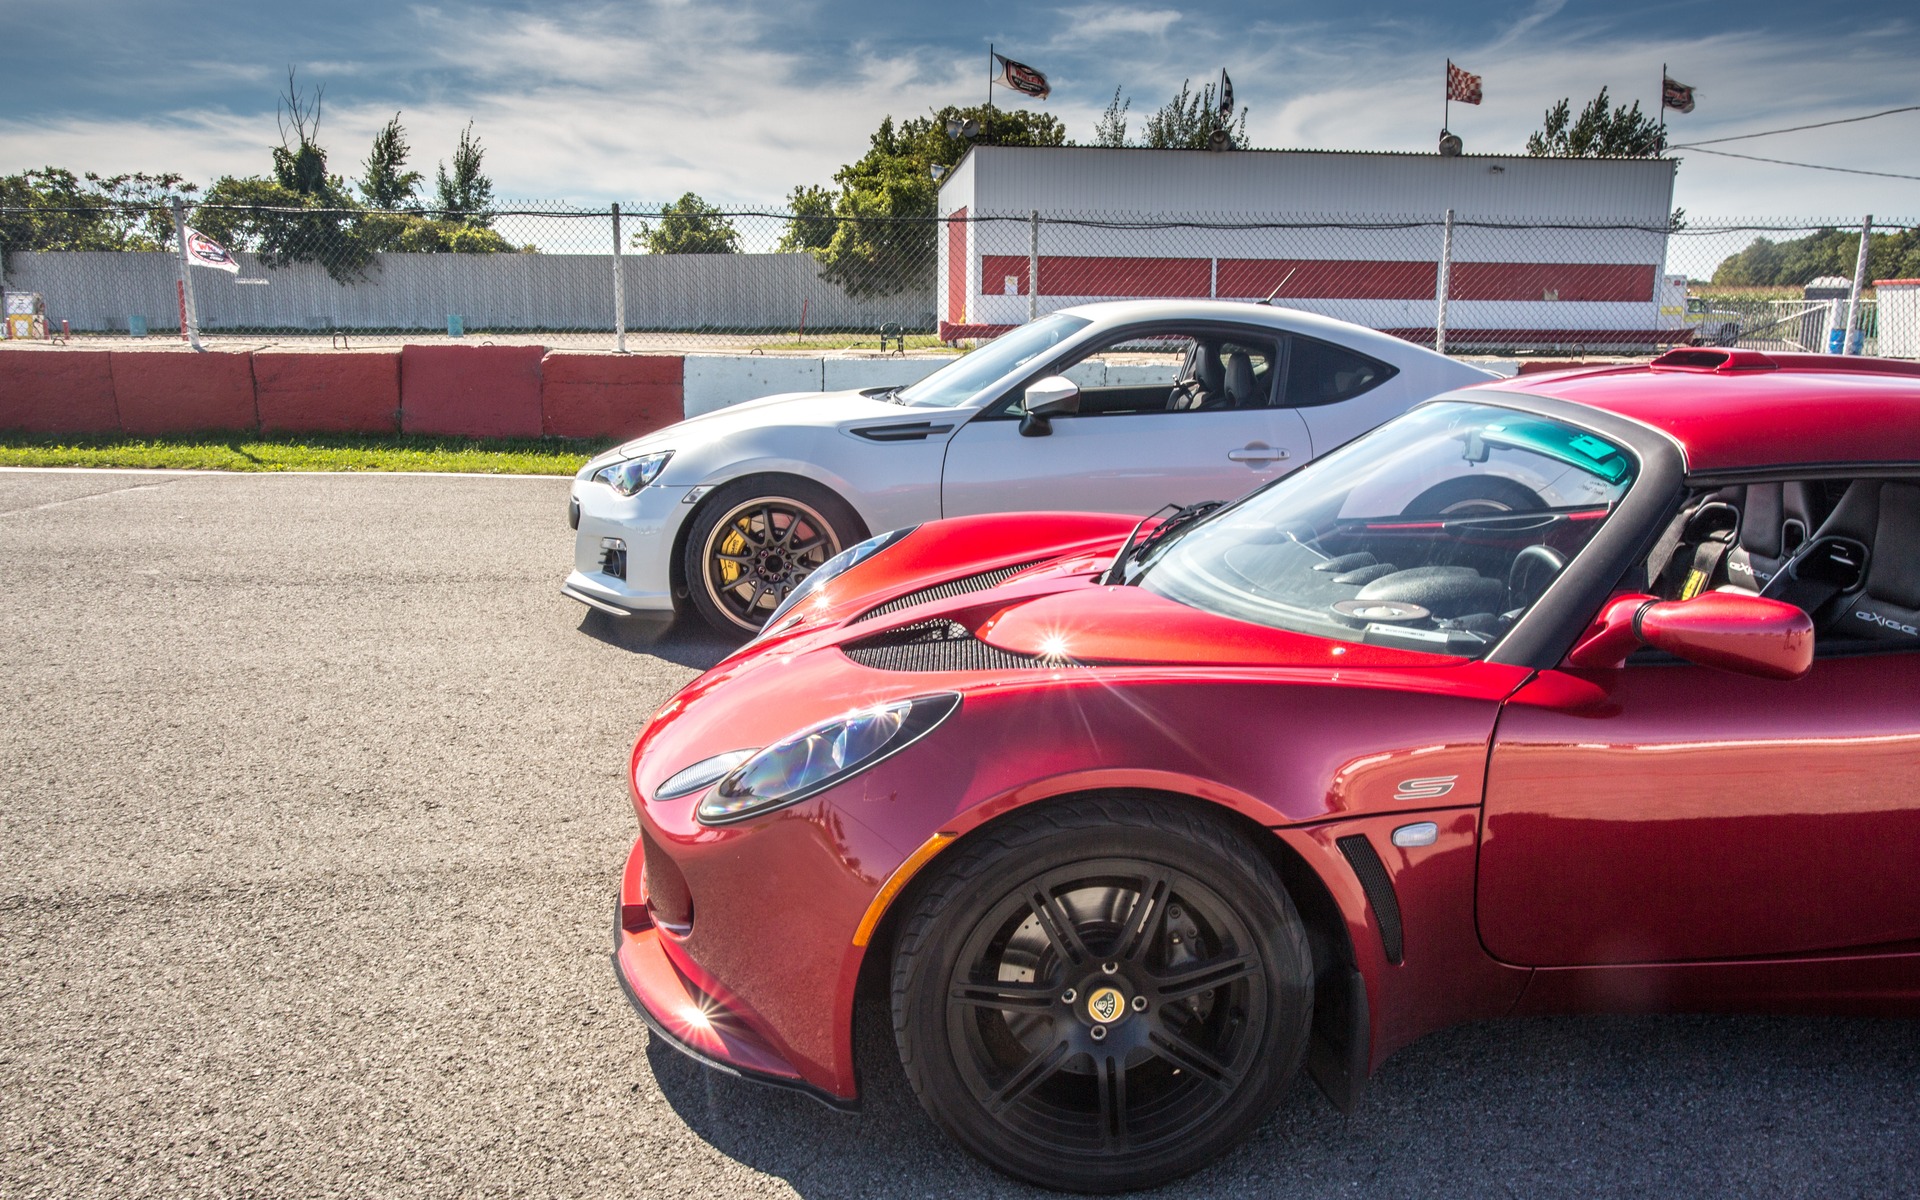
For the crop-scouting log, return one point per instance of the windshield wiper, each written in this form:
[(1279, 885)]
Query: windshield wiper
[(1181, 518)]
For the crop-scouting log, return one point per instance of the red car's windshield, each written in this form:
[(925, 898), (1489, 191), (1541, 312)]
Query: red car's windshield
[(1437, 531)]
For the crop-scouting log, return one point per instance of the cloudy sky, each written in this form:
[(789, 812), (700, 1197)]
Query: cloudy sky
[(740, 100)]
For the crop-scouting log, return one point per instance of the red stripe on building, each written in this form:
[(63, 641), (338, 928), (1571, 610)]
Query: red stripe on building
[(1076, 275), (1313, 279), (1325, 279), (957, 260), (1618, 282)]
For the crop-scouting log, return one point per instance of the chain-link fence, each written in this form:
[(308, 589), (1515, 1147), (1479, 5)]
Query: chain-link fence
[(654, 277)]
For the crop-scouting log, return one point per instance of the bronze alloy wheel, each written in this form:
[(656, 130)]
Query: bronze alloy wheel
[(749, 550)]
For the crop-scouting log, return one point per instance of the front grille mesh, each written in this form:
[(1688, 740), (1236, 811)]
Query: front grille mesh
[(944, 591), (940, 645)]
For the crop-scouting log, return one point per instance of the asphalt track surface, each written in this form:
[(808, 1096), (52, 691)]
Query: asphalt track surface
[(313, 815)]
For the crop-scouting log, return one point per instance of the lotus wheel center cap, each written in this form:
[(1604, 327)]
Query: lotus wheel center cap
[(1106, 1005)]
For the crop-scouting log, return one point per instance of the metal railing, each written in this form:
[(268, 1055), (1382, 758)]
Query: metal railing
[(656, 277)]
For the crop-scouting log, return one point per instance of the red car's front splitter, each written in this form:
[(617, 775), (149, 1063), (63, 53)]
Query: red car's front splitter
[(679, 1011)]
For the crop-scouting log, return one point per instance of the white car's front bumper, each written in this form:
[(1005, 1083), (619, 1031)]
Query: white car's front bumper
[(646, 523)]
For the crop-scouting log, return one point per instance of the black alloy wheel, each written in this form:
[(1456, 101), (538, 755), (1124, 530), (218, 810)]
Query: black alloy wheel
[(1104, 997), (752, 543)]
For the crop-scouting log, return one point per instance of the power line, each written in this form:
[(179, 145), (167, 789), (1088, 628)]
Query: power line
[(1809, 166), (1740, 137)]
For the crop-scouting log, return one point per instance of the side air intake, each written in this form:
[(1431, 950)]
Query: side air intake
[(1375, 882)]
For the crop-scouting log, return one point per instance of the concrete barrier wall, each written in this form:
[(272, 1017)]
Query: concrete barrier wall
[(98, 291), (466, 391), (714, 381)]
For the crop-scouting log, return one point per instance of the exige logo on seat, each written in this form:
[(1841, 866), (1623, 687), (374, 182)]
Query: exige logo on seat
[(1888, 623), (1425, 789)]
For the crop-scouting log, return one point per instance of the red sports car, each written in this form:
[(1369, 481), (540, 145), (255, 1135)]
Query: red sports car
[(1597, 691)]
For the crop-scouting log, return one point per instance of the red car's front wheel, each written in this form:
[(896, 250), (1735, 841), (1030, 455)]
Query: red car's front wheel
[(1102, 995)]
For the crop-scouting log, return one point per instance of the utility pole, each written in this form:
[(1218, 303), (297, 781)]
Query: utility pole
[(1853, 297), (192, 316), (1033, 267), (619, 290)]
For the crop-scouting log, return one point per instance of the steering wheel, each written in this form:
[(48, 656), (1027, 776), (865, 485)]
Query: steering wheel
[(1532, 570), (1188, 389)]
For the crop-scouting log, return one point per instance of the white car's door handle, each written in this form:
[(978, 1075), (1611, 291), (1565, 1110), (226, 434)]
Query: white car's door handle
[(1257, 454)]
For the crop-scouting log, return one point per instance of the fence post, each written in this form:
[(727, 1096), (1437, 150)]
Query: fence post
[(1442, 286), (1853, 296), (1033, 268), (192, 318), (619, 290)]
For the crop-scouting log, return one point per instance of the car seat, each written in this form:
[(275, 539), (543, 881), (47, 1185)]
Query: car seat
[(1775, 520), (1209, 389), (1885, 516), (1241, 390)]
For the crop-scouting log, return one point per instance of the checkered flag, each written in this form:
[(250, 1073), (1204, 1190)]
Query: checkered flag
[(1461, 85)]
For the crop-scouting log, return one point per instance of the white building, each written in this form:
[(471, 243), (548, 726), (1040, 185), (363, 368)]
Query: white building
[(1546, 252)]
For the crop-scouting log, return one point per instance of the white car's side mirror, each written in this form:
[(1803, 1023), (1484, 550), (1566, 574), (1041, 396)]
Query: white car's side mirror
[(1046, 398)]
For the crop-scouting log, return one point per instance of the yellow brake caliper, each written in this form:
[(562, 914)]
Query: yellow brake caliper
[(735, 543)]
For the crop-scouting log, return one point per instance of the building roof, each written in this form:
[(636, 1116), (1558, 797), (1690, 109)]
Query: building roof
[(1737, 410)]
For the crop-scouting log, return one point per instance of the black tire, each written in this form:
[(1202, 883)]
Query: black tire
[(1203, 993), (1474, 495), (754, 540)]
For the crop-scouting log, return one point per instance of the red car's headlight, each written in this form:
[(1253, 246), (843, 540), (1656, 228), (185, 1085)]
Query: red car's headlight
[(815, 759)]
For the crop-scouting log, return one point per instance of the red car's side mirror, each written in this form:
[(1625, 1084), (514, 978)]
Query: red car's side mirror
[(1747, 635)]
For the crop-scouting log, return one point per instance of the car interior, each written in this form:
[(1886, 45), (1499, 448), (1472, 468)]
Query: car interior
[(1212, 371), (1843, 550), (1450, 569)]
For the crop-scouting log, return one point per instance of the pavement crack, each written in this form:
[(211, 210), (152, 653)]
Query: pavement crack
[(137, 487)]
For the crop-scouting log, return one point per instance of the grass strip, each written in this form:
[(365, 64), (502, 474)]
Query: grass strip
[(301, 452)]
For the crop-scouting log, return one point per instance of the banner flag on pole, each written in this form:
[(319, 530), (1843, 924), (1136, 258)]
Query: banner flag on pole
[(1023, 78), (203, 251), (1226, 97), (1461, 85), (1675, 95)]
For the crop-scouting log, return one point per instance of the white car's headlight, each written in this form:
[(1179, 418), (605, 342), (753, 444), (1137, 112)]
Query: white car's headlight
[(815, 759), (629, 475)]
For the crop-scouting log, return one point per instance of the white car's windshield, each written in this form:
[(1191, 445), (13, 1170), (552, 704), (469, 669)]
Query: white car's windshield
[(959, 381), (1437, 531)]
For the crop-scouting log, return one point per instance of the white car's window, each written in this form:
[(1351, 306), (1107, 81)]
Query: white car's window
[(961, 380), (1322, 373), (1437, 531), (1200, 371)]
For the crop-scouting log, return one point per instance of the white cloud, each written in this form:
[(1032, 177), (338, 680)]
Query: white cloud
[(644, 102), (1093, 23)]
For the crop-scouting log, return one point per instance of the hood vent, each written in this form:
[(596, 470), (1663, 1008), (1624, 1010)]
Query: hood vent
[(945, 591), (939, 645)]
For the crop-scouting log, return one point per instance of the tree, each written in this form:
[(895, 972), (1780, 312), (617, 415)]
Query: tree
[(877, 248), (1598, 133), (265, 215), (1187, 122), (1891, 254), (54, 209), (386, 182), (1111, 129), (466, 193), (813, 224), (689, 225)]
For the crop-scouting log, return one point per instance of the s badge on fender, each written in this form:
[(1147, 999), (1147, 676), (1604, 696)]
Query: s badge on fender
[(1431, 788)]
